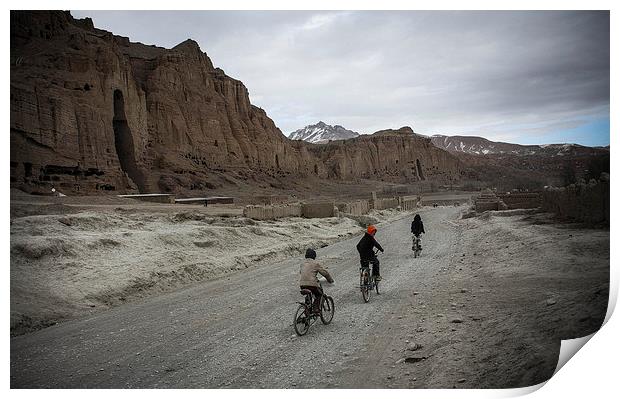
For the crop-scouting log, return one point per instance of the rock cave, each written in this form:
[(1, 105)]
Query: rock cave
[(123, 142)]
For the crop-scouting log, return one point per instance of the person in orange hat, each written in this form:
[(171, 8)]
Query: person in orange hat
[(366, 247)]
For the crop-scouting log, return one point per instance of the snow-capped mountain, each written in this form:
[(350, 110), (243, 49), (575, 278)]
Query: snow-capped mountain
[(481, 146), (322, 133)]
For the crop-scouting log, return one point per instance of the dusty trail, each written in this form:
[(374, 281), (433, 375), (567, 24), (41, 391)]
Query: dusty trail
[(236, 332)]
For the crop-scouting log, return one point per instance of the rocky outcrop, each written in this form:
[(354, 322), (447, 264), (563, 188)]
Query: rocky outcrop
[(393, 155), (91, 111)]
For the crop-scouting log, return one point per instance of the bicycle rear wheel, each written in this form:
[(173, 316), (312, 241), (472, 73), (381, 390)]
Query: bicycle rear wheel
[(364, 287), (301, 322), (327, 310)]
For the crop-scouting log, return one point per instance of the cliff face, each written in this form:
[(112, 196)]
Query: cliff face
[(392, 155), (91, 111)]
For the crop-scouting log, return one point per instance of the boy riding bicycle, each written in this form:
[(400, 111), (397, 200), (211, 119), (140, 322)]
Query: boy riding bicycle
[(365, 248), (417, 228), (308, 277)]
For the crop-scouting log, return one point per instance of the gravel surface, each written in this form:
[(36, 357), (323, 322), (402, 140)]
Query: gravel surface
[(472, 311)]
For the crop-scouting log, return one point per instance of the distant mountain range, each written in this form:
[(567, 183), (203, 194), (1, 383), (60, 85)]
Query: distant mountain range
[(322, 133), (480, 146)]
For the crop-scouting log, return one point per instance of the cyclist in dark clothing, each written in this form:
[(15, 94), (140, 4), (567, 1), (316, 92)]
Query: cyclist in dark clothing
[(366, 249), (417, 227)]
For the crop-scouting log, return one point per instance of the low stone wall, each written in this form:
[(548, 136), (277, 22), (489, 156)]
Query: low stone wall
[(521, 200), (328, 209), (356, 208), (269, 199), (384, 203), (482, 206), (584, 202), (319, 210), (266, 212), (488, 201), (408, 204)]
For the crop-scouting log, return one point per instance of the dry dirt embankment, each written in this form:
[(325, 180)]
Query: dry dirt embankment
[(492, 312), (67, 264)]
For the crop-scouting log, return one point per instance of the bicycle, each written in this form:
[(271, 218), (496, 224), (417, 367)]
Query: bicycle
[(415, 246), (368, 281), (305, 316)]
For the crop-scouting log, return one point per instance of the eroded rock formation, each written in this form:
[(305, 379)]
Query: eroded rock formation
[(91, 111), (393, 155)]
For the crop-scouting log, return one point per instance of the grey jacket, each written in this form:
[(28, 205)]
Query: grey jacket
[(308, 272)]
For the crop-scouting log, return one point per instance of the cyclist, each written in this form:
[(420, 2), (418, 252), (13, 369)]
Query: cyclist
[(308, 277), (365, 247), (417, 227)]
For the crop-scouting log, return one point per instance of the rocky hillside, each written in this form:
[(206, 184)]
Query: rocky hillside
[(507, 166), (322, 133), (393, 155), (93, 112), (480, 146)]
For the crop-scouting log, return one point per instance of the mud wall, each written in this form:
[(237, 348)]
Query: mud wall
[(583, 202), (384, 203), (356, 208), (265, 212), (319, 210), (521, 200), (408, 204)]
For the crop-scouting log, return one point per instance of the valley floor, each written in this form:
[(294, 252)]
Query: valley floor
[(485, 306)]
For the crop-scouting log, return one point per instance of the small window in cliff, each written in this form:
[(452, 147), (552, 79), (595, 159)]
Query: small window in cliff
[(277, 161), (86, 87), (215, 144), (316, 169)]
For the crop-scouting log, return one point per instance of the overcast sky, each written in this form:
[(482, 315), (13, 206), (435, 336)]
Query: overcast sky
[(528, 77)]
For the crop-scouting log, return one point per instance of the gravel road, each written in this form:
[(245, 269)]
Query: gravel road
[(434, 324)]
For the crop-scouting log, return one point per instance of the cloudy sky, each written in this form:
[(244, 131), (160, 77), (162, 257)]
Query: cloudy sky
[(528, 77)]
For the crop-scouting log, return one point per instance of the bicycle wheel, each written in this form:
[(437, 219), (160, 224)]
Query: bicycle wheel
[(327, 310), (364, 287), (301, 322)]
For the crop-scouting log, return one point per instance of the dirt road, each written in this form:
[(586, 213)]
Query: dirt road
[(488, 302)]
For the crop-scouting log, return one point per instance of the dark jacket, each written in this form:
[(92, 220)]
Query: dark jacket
[(417, 226), (366, 245)]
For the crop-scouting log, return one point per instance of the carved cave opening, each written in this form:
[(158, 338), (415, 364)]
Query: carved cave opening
[(123, 142), (27, 169), (419, 166)]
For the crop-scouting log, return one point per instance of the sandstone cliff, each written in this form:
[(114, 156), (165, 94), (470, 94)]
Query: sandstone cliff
[(91, 111), (393, 155)]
